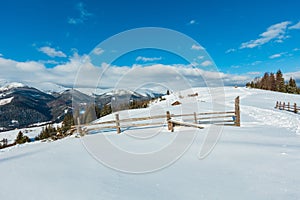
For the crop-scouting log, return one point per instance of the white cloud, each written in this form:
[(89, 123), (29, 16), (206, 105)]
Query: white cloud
[(254, 73), (52, 62), (200, 57), (52, 52), (206, 63), (230, 50), (196, 47), (296, 26), (74, 21), (275, 32), (83, 15), (30, 66), (129, 77), (296, 49), (192, 22), (146, 59), (277, 55), (98, 51), (235, 66), (256, 62), (295, 75)]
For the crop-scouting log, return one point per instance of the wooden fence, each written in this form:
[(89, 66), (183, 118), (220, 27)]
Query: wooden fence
[(287, 106), (228, 118)]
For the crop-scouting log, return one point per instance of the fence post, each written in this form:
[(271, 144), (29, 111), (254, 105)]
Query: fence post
[(78, 127), (280, 105), (170, 124), (118, 124), (288, 106), (295, 108), (237, 111), (283, 106), (195, 118), (276, 104)]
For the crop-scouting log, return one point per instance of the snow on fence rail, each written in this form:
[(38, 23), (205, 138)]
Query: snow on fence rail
[(287, 106), (229, 118)]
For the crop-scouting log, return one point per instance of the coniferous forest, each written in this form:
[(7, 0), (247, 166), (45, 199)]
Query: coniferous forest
[(275, 82)]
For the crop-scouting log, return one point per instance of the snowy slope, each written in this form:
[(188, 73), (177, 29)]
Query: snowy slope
[(5, 101), (9, 86), (259, 160)]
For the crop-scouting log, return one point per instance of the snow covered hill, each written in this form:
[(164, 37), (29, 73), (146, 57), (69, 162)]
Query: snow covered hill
[(9, 86), (259, 160)]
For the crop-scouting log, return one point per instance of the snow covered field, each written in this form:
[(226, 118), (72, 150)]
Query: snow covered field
[(259, 160)]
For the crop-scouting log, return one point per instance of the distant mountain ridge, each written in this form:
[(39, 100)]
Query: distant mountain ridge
[(22, 105)]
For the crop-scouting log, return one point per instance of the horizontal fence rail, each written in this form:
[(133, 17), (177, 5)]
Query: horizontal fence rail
[(227, 118)]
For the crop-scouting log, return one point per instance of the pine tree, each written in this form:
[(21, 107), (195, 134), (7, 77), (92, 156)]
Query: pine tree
[(272, 82), (291, 86), (280, 86), (265, 82), (106, 110), (20, 139), (67, 123)]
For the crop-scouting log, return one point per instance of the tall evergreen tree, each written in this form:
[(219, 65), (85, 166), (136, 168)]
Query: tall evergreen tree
[(272, 82), (280, 86), (67, 123), (265, 82), (291, 86)]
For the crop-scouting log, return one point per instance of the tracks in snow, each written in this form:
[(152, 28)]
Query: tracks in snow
[(277, 118)]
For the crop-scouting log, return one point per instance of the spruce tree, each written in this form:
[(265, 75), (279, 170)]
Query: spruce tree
[(20, 139), (291, 86), (280, 86), (272, 82)]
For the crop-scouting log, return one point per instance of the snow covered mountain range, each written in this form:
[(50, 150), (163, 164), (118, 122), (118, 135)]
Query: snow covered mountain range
[(22, 105)]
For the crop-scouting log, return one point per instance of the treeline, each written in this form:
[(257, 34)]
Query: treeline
[(275, 82), (93, 112), (57, 132), (20, 139), (48, 131)]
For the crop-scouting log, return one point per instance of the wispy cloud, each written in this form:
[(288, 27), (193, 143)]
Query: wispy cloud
[(254, 73), (83, 15), (147, 59), (277, 55), (52, 62), (193, 22), (235, 66), (52, 52), (230, 50), (296, 26), (196, 47), (206, 63), (256, 62), (296, 49), (276, 32), (98, 51)]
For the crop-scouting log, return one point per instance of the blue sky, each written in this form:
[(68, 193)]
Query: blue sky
[(244, 38)]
